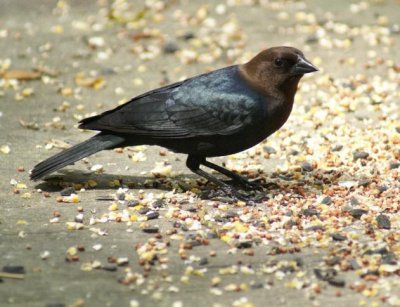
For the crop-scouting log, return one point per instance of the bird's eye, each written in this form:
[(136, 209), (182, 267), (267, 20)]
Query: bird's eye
[(278, 62)]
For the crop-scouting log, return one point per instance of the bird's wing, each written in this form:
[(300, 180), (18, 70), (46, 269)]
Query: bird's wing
[(145, 108), (213, 104), (209, 104)]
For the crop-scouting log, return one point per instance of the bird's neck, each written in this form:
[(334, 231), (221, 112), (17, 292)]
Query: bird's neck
[(254, 81), (273, 88)]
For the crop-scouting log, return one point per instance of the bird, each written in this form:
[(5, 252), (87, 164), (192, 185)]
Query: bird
[(218, 113)]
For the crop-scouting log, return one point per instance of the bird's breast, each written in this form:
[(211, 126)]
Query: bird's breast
[(275, 112)]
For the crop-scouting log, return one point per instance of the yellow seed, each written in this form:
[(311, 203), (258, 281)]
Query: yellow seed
[(26, 195), (113, 207), (21, 186), (133, 218), (72, 251)]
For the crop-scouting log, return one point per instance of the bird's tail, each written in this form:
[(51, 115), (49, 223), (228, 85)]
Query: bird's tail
[(94, 144)]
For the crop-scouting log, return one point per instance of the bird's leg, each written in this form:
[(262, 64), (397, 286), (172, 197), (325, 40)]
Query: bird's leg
[(193, 163), (235, 177)]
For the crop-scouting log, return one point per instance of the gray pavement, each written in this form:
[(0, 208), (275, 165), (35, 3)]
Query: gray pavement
[(65, 38)]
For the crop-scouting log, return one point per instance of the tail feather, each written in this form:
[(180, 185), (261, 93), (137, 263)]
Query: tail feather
[(75, 153)]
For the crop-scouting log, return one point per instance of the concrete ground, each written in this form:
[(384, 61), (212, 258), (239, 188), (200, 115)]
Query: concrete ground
[(61, 39)]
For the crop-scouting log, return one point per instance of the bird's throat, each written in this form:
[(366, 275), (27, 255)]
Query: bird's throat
[(289, 87)]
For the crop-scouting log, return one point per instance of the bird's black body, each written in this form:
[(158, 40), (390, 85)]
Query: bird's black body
[(210, 115), (213, 114)]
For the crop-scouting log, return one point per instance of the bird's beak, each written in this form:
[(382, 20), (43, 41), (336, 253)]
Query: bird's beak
[(303, 66)]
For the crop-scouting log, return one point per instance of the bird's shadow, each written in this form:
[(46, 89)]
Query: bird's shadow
[(185, 182), (104, 181)]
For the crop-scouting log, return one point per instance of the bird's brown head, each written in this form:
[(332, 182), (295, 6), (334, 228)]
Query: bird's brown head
[(277, 69)]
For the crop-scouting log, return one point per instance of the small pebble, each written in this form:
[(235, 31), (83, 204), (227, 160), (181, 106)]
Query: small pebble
[(315, 228), (256, 285), (144, 210), (122, 261), (212, 235), (159, 203), (360, 155), (326, 200), (269, 150), (383, 221), (354, 202), (231, 214), (97, 247), (105, 198), (331, 261), (310, 212), (337, 147), (244, 244), (67, 191), (355, 265), (381, 251), (325, 274), (192, 209), (44, 255), (389, 258), (188, 36), (132, 203), (79, 218), (382, 188), (307, 167), (109, 267), (357, 213), (15, 269), (394, 164), (364, 182), (151, 215), (338, 237), (170, 47), (151, 230), (203, 261), (337, 282), (121, 196)]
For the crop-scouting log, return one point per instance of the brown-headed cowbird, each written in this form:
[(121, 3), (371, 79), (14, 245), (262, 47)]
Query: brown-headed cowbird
[(214, 114)]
